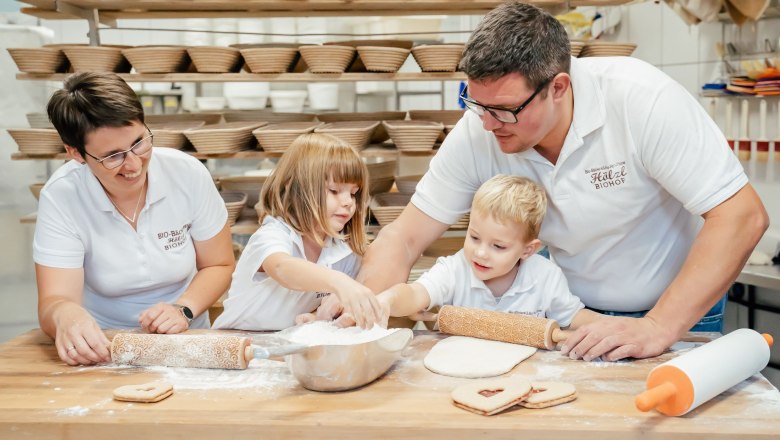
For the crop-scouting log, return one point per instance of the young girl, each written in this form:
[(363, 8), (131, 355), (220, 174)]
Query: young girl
[(309, 243)]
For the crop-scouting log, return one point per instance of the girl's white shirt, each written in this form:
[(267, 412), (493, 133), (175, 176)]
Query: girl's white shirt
[(258, 302)]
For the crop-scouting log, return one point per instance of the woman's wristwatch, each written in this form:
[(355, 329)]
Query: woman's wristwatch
[(186, 312)]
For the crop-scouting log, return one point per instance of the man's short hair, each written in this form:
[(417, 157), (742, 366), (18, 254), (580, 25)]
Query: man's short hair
[(517, 38)]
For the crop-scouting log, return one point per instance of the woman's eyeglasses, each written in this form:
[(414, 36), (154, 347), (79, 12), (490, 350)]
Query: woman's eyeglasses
[(117, 159)]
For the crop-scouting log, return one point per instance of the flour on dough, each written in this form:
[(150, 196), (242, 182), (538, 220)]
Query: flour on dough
[(461, 356)]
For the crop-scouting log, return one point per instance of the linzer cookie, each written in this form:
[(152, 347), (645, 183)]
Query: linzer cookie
[(547, 394), (491, 396), (144, 393)]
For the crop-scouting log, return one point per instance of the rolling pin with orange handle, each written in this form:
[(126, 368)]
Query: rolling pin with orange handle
[(500, 326), (678, 386), (192, 351)]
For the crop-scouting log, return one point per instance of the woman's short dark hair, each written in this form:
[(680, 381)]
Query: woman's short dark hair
[(91, 100), (517, 38)]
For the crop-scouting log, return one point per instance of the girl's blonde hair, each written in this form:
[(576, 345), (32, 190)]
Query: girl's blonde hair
[(512, 199), (296, 191)]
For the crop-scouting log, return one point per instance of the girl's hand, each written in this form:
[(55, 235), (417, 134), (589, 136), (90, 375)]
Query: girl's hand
[(79, 339), (163, 318), (359, 302)]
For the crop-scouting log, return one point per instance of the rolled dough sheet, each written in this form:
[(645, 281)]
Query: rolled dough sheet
[(461, 356)]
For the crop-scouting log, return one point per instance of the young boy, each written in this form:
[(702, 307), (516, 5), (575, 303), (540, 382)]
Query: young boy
[(498, 268)]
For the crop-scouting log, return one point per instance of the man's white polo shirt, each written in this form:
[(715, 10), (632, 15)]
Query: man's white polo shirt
[(642, 161), (127, 271), (539, 289), (258, 302)]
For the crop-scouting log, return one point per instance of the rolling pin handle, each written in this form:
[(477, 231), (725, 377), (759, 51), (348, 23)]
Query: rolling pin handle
[(655, 396), (768, 338), (559, 335), (249, 353)]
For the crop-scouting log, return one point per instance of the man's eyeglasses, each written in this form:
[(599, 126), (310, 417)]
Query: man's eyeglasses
[(117, 159), (505, 115)]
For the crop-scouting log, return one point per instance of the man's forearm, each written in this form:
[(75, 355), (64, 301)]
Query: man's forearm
[(387, 261), (717, 256)]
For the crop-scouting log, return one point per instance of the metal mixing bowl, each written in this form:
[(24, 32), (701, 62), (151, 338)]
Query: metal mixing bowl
[(345, 367)]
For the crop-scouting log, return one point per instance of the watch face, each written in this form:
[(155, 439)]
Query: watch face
[(187, 312)]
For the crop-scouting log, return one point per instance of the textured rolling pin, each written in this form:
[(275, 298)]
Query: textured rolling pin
[(500, 326), (676, 387), (193, 351)]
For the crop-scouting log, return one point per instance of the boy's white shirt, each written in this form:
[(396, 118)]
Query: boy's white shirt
[(258, 302), (539, 289)]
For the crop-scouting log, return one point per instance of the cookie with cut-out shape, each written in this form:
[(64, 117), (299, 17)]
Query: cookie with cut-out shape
[(144, 393), (547, 394), (491, 396)]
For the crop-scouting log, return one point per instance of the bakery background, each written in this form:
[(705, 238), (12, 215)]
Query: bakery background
[(695, 55)]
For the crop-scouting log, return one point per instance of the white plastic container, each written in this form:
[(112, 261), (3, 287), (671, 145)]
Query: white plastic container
[(247, 102), (247, 96), (210, 102), (288, 101), (323, 96)]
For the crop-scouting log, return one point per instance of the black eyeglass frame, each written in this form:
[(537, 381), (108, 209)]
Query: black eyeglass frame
[(490, 109), (124, 153)]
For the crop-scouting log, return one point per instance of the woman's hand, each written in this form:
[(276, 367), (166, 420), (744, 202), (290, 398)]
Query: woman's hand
[(79, 339), (163, 318)]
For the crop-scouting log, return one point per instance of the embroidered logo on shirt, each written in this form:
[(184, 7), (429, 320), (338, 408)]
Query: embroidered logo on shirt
[(607, 176), (175, 237), (539, 313), (322, 295)]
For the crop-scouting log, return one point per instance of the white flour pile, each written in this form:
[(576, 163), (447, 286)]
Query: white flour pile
[(325, 333)]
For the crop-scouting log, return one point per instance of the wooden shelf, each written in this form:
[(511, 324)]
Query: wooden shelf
[(148, 9), (265, 77), (384, 150), (29, 218)]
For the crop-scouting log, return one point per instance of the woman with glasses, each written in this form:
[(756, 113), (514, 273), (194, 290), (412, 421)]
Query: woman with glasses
[(127, 236), (650, 215)]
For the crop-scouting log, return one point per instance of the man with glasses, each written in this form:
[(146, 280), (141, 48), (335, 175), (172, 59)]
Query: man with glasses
[(650, 215), (126, 235)]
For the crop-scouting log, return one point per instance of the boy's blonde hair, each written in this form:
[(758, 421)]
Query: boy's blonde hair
[(512, 199), (296, 191)]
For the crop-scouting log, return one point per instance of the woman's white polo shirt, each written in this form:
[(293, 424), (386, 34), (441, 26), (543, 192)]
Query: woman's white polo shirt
[(127, 271)]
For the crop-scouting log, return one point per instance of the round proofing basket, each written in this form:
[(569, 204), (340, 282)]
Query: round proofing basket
[(234, 202), (171, 134), (380, 134), (438, 57), (382, 59), (576, 47), (386, 207), (414, 135), (251, 185), (276, 138), (223, 138), (158, 59), (269, 59), (327, 59), (215, 59), (36, 188), (39, 60), (355, 133), (407, 184), (37, 141), (96, 58), (380, 173)]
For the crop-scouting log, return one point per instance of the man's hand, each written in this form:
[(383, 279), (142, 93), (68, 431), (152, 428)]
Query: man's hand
[(617, 338)]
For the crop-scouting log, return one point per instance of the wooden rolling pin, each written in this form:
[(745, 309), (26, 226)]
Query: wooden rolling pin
[(676, 387), (500, 326), (192, 351)]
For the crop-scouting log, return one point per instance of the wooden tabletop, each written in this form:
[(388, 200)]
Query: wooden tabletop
[(41, 397)]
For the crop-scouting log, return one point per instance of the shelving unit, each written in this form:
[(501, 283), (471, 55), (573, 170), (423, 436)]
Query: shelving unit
[(111, 10), (265, 77)]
